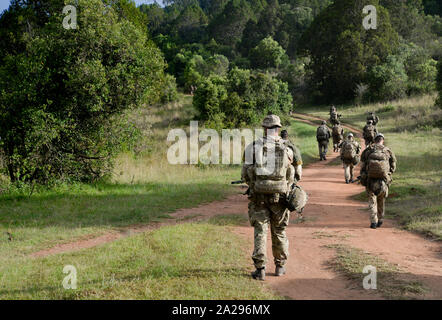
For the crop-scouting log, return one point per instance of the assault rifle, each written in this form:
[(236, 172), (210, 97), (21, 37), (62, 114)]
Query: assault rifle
[(241, 182)]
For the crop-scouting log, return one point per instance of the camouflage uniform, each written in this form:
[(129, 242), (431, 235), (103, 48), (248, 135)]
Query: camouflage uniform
[(350, 164), (373, 117), (265, 210), (337, 138), (323, 142), (377, 189), (366, 132)]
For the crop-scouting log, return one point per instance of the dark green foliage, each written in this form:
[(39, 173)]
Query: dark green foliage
[(439, 83), (342, 51), (433, 7), (267, 54), (227, 28), (64, 98)]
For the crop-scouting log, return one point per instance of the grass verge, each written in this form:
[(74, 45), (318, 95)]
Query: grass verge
[(188, 261), (391, 282)]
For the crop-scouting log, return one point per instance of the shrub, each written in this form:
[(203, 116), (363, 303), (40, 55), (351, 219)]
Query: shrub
[(242, 98)]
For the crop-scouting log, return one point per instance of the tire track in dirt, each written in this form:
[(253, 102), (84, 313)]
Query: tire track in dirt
[(230, 205)]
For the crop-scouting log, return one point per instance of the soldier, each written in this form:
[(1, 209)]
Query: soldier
[(334, 116), (373, 117), (297, 160), (323, 136), (267, 191), (338, 136), (350, 150), (378, 166), (369, 132)]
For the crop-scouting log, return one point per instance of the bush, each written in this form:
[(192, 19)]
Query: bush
[(242, 98), (389, 80)]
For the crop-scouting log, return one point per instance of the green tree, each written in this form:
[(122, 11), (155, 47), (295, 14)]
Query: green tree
[(342, 51), (64, 98), (227, 27), (267, 54), (388, 81), (242, 98)]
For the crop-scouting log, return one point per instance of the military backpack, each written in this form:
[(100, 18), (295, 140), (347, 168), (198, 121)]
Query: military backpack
[(378, 163), (322, 133), (348, 151), (270, 169), (369, 132)]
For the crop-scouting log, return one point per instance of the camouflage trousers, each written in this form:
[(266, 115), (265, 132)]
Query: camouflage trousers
[(348, 171), (323, 148), (376, 204), (336, 142), (261, 215)]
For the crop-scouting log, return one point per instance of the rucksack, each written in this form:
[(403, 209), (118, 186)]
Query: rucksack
[(369, 132), (378, 163), (348, 151), (271, 180), (336, 130), (322, 133)]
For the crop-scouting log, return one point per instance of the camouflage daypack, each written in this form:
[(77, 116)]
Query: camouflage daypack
[(270, 181), (378, 163), (336, 131), (322, 133), (369, 132), (348, 151)]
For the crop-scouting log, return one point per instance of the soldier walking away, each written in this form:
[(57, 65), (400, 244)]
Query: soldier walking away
[(378, 166), (369, 132), (334, 116), (267, 192), (373, 117), (323, 135), (338, 136), (350, 150)]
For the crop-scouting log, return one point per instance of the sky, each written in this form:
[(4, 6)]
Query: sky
[(4, 4)]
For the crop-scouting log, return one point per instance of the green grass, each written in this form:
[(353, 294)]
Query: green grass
[(413, 131), (188, 261), (391, 282)]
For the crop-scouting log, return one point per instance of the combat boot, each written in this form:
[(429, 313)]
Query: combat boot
[(259, 274), (379, 224), (373, 225), (279, 271)]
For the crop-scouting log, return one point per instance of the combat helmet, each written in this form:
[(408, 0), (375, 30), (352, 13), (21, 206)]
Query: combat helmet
[(271, 121)]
